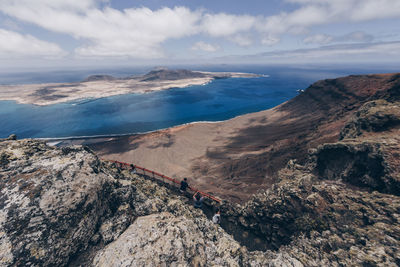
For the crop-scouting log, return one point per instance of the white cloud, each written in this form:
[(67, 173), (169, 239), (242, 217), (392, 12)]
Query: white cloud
[(241, 40), (358, 36), (140, 32), (202, 46), (318, 12), (318, 39), (389, 51), (136, 32), (226, 25), (270, 40), (13, 44)]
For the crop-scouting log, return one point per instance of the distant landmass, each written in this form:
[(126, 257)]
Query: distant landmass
[(162, 75), (98, 86), (99, 77)]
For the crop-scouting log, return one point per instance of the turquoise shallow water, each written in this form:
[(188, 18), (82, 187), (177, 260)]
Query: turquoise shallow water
[(133, 113)]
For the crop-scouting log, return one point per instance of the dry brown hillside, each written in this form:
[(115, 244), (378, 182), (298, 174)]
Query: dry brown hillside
[(236, 158)]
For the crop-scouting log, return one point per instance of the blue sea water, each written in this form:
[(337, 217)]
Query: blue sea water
[(133, 113)]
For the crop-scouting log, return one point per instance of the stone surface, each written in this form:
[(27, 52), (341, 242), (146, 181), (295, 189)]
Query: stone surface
[(325, 223), (166, 240), (51, 202), (374, 116), (362, 164)]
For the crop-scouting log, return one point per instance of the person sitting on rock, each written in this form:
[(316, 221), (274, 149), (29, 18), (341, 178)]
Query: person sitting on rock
[(198, 200), (184, 185), (217, 217)]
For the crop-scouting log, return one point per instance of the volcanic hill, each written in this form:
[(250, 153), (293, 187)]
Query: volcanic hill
[(236, 158)]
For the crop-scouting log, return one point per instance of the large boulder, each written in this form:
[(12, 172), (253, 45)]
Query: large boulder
[(167, 240), (366, 164), (52, 202)]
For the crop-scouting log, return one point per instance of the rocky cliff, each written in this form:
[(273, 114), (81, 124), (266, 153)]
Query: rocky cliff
[(337, 206), (236, 158), (342, 207)]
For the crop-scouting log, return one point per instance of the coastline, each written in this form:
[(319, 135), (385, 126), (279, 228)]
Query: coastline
[(131, 134), (188, 124), (45, 94)]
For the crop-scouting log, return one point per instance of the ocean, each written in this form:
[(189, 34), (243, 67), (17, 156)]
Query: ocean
[(221, 99)]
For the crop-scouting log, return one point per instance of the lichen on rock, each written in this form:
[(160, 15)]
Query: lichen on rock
[(51, 201)]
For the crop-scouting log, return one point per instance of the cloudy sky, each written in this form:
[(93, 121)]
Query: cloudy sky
[(73, 32)]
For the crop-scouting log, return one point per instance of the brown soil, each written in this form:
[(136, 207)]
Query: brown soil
[(236, 158)]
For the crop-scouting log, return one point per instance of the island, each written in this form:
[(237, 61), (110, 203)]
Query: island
[(99, 86)]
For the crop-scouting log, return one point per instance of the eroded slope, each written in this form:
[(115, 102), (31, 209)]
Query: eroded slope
[(237, 157)]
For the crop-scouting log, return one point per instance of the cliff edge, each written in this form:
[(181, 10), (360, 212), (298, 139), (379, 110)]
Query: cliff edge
[(237, 157)]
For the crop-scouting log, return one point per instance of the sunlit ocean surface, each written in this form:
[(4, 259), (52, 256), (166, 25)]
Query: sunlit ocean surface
[(134, 113)]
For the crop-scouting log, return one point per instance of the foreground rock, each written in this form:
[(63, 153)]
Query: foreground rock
[(61, 206), (163, 239), (52, 202)]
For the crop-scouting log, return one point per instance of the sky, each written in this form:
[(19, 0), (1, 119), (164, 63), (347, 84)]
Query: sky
[(57, 33)]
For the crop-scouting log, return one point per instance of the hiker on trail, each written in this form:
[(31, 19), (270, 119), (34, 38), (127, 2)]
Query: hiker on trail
[(184, 185), (217, 217), (198, 200), (133, 168)]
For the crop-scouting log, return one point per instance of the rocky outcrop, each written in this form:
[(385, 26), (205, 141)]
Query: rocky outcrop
[(362, 164), (164, 239), (367, 154), (52, 202), (324, 223), (170, 232), (375, 116)]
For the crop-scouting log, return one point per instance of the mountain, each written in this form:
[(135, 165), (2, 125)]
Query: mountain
[(236, 158), (166, 74), (99, 77)]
